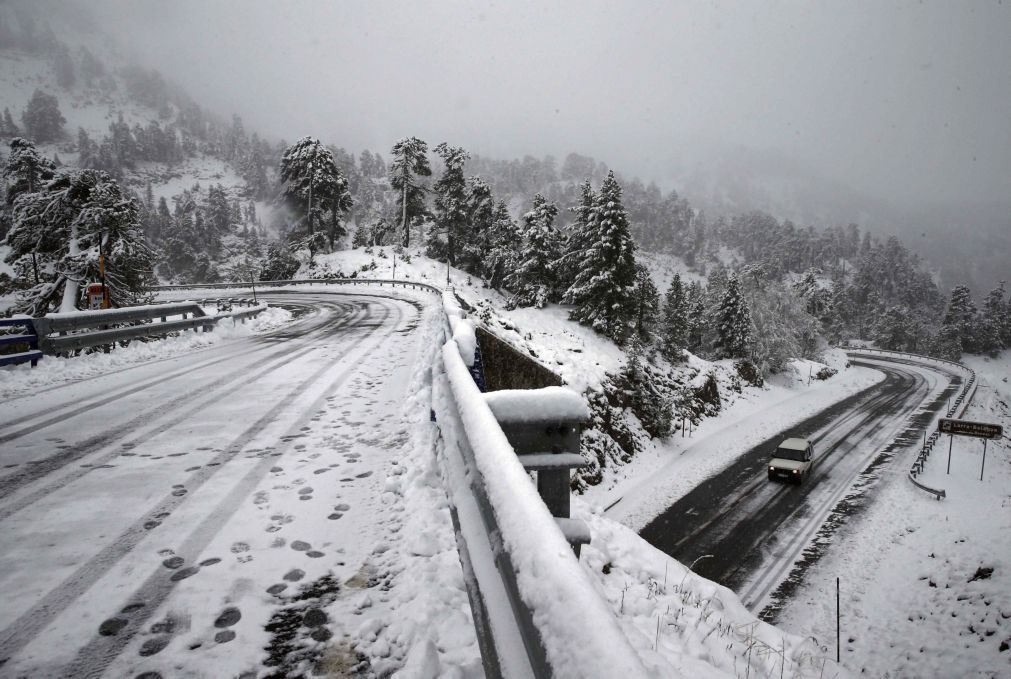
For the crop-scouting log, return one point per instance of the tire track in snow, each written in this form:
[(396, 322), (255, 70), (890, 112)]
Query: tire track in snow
[(102, 650), (30, 473), (64, 412)]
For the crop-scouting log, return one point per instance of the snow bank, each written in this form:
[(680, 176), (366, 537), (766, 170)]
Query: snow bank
[(682, 624), (528, 405)]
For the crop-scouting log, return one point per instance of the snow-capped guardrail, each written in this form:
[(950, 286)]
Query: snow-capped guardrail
[(535, 610), (28, 338), (70, 331), (961, 401), (301, 281)]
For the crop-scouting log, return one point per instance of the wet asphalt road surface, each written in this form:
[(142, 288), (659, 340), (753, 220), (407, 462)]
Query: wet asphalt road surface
[(731, 525)]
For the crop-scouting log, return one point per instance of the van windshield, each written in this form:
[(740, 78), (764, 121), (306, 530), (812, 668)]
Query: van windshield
[(790, 454)]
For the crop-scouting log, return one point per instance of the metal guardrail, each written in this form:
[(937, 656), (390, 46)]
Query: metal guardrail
[(77, 329), (962, 400), (30, 338), (303, 281), (533, 627)]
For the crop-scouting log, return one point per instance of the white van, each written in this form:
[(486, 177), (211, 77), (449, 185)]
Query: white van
[(792, 460)]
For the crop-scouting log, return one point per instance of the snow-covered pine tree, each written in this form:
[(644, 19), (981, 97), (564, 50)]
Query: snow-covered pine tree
[(674, 328), (42, 118), (697, 316), (997, 313), (532, 278), (577, 239), (733, 322), (946, 344), (480, 206), (8, 128), (605, 283), (64, 223), (502, 240), (450, 191), (26, 170), (896, 329), (639, 392), (647, 305), (409, 160), (961, 316), (308, 168)]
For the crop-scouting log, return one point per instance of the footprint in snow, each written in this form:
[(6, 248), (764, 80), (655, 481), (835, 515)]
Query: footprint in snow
[(363, 475), (155, 645), (335, 516), (224, 636), (111, 627), (294, 575), (173, 562), (210, 562), (300, 545), (184, 573), (277, 589), (228, 617), (240, 547)]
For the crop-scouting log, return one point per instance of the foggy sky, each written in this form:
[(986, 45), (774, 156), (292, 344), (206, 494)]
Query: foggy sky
[(903, 100)]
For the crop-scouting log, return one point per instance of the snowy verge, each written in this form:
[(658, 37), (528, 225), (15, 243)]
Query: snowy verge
[(682, 624), (20, 379), (939, 603)]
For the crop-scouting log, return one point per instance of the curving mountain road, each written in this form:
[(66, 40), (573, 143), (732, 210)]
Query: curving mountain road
[(747, 533), (179, 503)]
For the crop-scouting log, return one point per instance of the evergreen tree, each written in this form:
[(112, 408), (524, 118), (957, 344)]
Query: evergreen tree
[(641, 394), (733, 322), (502, 239), (8, 128), (675, 326), (578, 240), (895, 330), (647, 305), (42, 118), (26, 170), (280, 263), (997, 313), (960, 316), (480, 208), (64, 222), (313, 187), (532, 278), (450, 204), (696, 303), (410, 160), (604, 287)]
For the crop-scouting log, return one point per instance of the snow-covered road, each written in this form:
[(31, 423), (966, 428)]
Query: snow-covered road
[(158, 518)]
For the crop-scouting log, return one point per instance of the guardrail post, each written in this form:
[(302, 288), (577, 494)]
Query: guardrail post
[(547, 445)]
